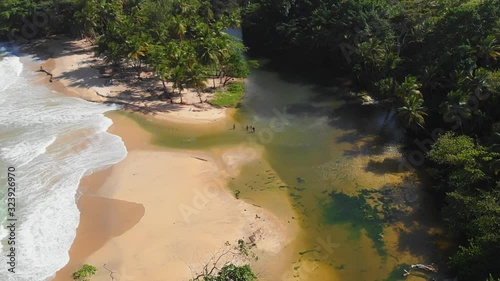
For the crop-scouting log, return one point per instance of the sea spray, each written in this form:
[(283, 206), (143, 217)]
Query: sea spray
[(52, 141)]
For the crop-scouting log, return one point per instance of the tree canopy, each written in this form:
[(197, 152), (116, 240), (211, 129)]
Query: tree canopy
[(437, 63)]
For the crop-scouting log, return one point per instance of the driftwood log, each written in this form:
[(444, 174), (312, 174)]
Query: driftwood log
[(46, 72), (424, 267), (419, 266)]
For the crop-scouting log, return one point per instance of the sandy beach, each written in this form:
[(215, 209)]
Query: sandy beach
[(161, 214), (75, 71)]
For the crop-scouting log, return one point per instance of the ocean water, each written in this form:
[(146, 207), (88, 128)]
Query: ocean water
[(52, 141)]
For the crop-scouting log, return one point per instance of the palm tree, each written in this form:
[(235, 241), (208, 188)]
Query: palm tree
[(495, 149), (158, 58), (196, 79), (478, 83), (409, 87), (456, 106), (372, 54), (179, 27), (412, 112), (138, 49), (390, 64), (489, 49), (179, 79), (430, 78), (212, 50), (181, 59), (210, 56)]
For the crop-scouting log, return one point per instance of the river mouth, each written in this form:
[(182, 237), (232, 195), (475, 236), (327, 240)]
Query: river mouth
[(337, 163)]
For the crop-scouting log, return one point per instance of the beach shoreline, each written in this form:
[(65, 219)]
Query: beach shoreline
[(70, 67), (118, 220)]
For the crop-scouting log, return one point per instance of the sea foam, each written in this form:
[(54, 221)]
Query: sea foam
[(52, 141)]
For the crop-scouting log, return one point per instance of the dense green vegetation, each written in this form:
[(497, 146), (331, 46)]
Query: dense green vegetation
[(182, 41), (234, 273), (84, 273), (438, 63), (219, 269), (24, 20), (229, 97)]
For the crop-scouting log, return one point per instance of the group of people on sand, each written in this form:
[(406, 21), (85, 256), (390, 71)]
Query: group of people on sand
[(250, 129)]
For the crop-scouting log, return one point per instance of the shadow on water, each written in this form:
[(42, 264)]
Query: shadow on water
[(335, 160), (388, 165)]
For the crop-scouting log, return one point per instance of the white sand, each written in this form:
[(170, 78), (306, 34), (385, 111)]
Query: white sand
[(159, 214), (74, 66), (189, 216)]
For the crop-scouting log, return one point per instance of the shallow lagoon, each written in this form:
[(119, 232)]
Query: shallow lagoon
[(336, 161)]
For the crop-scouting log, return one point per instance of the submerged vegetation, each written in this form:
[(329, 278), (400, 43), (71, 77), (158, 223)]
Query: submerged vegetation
[(355, 211), (437, 63)]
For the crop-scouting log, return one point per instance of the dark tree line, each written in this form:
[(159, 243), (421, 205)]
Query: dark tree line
[(438, 63), (182, 41)]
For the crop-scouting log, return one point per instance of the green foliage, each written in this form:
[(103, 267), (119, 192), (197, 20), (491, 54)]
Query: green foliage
[(412, 111), (11, 14), (84, 273), (472, 203), (492, 279), (232, 272), (182, 41), (455, 150), (229, 97), (464, 161), (476, 218), (236, 66), (437, 61), (217, 269), (186, 49), (23, 20), (93, 16)]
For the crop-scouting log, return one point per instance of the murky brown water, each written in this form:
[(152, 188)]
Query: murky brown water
[(361, 217)]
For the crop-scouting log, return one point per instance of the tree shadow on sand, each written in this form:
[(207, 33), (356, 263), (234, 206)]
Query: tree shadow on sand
[(42, 51)]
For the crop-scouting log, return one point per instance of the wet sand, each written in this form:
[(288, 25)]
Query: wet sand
[(160, 214), (145, 234)]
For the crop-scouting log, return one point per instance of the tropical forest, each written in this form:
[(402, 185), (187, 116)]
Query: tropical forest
[(432, 65)]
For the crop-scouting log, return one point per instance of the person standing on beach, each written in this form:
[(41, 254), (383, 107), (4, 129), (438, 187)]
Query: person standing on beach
[(234, 126)]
